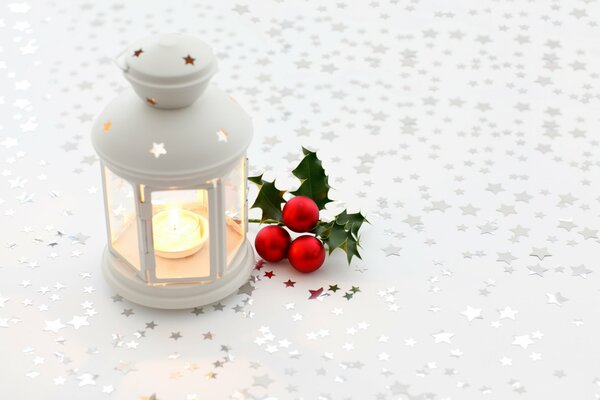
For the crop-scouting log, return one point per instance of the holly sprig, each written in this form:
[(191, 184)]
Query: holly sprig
[(342, 232)]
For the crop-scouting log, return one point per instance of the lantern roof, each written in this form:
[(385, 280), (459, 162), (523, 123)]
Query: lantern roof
[(179, 130), (168, 70), (168, 58), (172, 147)]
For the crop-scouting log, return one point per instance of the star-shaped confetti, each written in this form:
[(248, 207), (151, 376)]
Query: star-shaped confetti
[(289, 283), (314, 294)]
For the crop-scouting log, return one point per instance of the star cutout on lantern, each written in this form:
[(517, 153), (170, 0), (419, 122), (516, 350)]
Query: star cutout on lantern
[(106, 126), (158, 149), (289, 283), (189, 60), (222, 135), (137, 52)]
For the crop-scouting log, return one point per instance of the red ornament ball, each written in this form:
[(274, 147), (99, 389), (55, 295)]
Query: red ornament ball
[(272, 243), (300, 214), (306, 253)]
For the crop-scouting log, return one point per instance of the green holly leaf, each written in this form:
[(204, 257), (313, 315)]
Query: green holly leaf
[(323, 229), (352, 222), (342, 233), (337, 236), (350, 246), (269, 198), (314, 180)]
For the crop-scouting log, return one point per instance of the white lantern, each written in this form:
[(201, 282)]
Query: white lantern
[(174, 169)]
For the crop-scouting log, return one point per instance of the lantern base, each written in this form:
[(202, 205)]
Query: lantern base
[(123, 280)]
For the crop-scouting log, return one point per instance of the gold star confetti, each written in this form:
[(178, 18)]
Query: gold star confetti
[(211, 375), (138, 52), (189, 60), (151, 101), (222, 135), (106, 127)]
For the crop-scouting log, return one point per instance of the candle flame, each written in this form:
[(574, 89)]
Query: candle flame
[(174, 218)]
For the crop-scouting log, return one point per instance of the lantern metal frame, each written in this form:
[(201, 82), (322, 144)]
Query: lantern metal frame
[(143, 289)]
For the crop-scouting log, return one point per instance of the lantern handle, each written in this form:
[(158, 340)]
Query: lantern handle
[(120, 62)]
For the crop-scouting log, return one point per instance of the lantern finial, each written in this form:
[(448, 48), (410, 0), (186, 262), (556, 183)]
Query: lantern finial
[(169, 70)]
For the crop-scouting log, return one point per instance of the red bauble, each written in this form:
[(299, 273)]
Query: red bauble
[(300, 214), (272, 243), (306, 253)]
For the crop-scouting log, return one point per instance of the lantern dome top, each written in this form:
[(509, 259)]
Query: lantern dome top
[(176, 147), (169, 70)]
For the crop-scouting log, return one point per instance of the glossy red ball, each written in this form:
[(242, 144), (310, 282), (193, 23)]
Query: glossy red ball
[(300, 214), (306, 253), (272, 243)]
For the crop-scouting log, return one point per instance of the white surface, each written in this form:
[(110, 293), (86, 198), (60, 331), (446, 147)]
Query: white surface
[(466, 130)]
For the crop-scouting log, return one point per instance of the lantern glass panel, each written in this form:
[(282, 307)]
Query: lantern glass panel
[(235, 208), (122, 220), (180, 233)]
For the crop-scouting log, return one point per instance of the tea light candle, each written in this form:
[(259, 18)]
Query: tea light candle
[(178, 233)]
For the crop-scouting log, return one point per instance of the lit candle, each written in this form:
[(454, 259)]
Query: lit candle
[(178, 233)]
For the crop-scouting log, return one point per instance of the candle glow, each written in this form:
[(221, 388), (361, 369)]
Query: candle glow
[(178, 233)]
